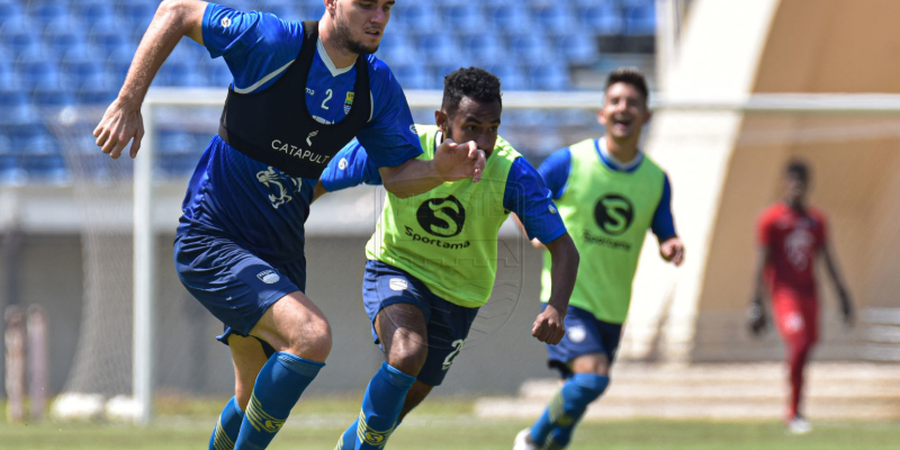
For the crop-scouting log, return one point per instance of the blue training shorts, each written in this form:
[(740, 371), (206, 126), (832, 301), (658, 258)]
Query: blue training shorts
[(585, 334), (447, 323), (235, 285)]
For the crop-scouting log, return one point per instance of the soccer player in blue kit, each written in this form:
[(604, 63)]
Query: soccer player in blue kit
[(301, 91), (432, 260)]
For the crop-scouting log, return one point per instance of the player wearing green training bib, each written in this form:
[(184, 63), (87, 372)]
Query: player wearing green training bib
[(609, 194), (433, 256)]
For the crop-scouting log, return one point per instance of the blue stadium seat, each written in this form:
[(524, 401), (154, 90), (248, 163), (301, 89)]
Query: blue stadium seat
[(578, 48), (640, 20), (15, 109), (117, 64), (509, 18), (19, 35), (61, 36), (416, 17), (396, 48), (313, 11), (555, 18), (109, 40), (94, 13), (135, 15), (38, 72), (412, 76), (530, 47), (32, 139), (10, 10), (511, 76), (81, 69), (218, 75), (55, 98), (174, 142), (604, 19), (464, 19), (50, 169), (46, 12), (179, 73), (437, 48), (5, 147), (284, 9), (8, 77), (11, 171), (486, 48), (552, 76)]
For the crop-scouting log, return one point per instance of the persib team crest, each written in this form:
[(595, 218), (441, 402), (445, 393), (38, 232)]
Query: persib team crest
[(348, 102)]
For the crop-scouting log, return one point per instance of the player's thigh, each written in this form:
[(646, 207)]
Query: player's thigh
[(402, 330), (295, 325), (234, 284), (248, 357), (448, 328), (397, 307)]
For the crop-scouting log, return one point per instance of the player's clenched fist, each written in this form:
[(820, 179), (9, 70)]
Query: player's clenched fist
[(120, 124), (549, 326), (458, 161)]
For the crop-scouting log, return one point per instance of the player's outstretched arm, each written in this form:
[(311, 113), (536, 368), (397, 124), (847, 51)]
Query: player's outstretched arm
[(451, 162), (122, 121), (549, 326), (757, 319), (843, 293)]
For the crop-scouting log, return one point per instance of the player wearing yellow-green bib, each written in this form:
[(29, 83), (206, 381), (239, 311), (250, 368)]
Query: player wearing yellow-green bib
[(609, 194), (433, 256)]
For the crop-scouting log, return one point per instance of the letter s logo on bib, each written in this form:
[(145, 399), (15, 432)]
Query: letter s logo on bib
[(614, 214), (442, 217)]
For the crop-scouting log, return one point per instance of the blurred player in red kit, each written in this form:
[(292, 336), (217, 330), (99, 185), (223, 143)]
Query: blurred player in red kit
[(792, 236)]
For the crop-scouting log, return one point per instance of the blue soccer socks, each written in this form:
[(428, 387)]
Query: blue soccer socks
[(278, 387), (227, 427), (380, 409), (567, 407)]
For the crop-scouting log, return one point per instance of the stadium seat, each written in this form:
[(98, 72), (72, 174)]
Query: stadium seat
[(217, 74), (509, 18), (511, 76), (604, 19), (94, 13), (50, 169), (284, 9), (486, 48), (32, 139), (80, 69), (117, 64), (174, 142), (38, 72), (109, 40), (555, 18), (438, 48), (46, 12), (179, 73), (416, 17), (578, 48), (61, 36), (11, 171), (396, 48), (135, 15), (15, 109), (465, 19), (640, 20), (530, 47), (10, 10), (19, 35), (412, 76), (314, 11), (552, 76), (53, 98)]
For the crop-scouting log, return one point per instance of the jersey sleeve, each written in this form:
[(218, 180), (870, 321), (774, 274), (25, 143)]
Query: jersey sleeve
[(555, 171), (255, 45), (350, 167), (764, 228), (663, 224), (390, 138), (528, 197)]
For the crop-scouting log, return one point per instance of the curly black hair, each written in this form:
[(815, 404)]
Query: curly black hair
[(475, 83), (629, 75)]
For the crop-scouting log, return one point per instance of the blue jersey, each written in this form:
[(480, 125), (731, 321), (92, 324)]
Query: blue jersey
[(555, 172), (257, 206), (525, 193)]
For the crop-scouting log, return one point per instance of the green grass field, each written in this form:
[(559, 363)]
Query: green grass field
[(444, 425)]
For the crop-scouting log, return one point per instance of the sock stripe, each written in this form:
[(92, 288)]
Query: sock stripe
[(553, 445), (371, 436), (340, 444), (261, 420), (556, 406), (221, 441)]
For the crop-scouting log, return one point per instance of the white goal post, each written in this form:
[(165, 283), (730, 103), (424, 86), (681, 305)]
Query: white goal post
[(144, 257)]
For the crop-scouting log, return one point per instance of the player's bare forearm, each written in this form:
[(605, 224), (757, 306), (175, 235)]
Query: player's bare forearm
[(319, 191), (411, 178), (564, 268), (843, 294), (122, 120), (173, 20), (549, 327), (757, 318)]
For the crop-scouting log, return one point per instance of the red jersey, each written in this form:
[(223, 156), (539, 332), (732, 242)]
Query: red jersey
[(794, 240)]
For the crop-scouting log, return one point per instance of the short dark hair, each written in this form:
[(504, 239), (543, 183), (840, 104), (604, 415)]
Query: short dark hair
[(475, 83), (797, 168), (630, 75)]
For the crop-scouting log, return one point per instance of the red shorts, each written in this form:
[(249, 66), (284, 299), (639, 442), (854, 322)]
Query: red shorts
[(796, 317)]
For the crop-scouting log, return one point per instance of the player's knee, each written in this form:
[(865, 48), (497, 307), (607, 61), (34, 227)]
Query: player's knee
[(312, 340), (408, 354)]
